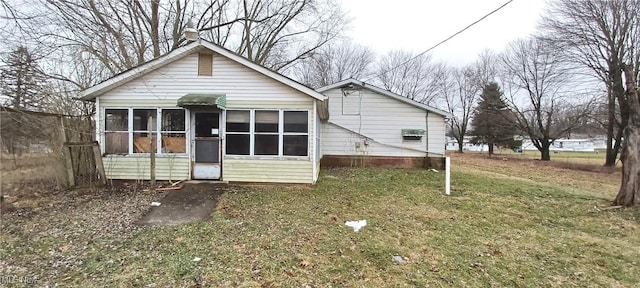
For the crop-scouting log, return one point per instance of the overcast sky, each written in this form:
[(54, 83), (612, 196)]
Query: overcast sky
[(415, 25)]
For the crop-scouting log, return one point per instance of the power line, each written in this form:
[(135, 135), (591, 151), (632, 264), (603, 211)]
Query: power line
[(445, 40)]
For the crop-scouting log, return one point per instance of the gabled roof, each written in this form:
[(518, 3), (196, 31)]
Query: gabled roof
[(345, 83), (126, 76)]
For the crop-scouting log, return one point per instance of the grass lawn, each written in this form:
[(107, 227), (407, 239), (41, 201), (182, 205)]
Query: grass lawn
[(507, 223), (594, 158)]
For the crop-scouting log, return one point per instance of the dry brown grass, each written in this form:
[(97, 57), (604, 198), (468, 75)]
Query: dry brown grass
[(510, 223), (598, 180)]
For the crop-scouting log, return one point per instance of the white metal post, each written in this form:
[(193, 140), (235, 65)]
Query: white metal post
[(447, 175)]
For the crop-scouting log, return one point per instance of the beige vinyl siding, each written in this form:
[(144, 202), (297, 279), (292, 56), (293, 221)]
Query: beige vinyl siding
[(244, 104), (137, 167), (381, 119), (170, 82), (132, 102), (263, 170)]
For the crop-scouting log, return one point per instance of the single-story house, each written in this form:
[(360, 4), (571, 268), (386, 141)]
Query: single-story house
[(209, 113), (212, 114), (373, 126)]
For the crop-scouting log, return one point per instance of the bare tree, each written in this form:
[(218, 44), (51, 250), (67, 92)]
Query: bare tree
[(485, 69), (122, 34), (600, 36), (415, 77), (540, 94), (459, 93), (629, 193), (335, 62)]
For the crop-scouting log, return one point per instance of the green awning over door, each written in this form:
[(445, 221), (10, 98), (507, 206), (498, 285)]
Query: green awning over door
[(198, 99)]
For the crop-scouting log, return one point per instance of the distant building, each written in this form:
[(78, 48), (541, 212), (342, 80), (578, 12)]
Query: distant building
[(578, 145), (452, 145)]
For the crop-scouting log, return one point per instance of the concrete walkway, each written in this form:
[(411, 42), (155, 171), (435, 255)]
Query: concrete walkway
[(192, 203)]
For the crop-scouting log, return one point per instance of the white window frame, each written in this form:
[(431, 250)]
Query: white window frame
[(251, 117), (183, 132), (277, 133), (280, 133), (283, 133), (103, 121), (158, 131)]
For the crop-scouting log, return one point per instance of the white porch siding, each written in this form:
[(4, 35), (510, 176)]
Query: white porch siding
[(137, 167), (260, 170)]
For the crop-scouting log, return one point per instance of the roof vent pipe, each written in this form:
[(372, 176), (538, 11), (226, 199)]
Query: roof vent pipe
[(191, 34)]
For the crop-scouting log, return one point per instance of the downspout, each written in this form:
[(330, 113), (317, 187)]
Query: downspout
[(426, 136), (314, 177), (99, 115)]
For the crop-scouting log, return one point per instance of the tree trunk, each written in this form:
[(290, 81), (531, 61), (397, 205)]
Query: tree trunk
[(617, 93), (490, 148), (460, 145), (611, 153), (629, 192), (545, 155)]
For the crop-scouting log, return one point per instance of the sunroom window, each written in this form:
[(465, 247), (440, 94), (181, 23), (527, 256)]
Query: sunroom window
[(296, 133), (267, 133), (116, 131), (238, 136), (144, 121), (141, 125), (173, 131)]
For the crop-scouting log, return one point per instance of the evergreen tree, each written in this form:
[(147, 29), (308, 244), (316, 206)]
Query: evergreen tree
[(492, 121), (22, 81)]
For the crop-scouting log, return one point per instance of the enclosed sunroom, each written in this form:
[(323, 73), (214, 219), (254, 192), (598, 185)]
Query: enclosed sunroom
[(207, 113)]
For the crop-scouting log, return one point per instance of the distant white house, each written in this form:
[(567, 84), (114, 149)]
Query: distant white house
[(452, 145), (578, 145), (386, 128)]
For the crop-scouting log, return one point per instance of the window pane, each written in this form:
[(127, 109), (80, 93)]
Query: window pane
[(142, 143), (237, 144), (267, 121), (141, 119), (116, 143), (207, 124), (266, 145), (173, 120), (295, 145), (238, 121), (296, 121), (116, 119), (174, 143)]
